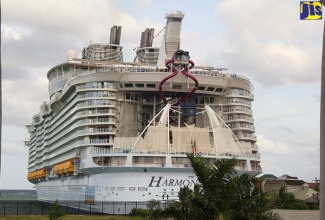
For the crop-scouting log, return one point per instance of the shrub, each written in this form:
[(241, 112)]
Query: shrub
[(56, 213)]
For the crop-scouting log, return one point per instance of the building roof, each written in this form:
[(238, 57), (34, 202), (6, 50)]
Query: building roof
[(286, 176), (304, 194), (313, 185), (268, 176)]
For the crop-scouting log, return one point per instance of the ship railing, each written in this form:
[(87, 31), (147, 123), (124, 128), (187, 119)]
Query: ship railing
[(255, 147), (255, 156), (130, 69), (149, 69), (245, 168), (148, 164), (103, 150), (257, 169)]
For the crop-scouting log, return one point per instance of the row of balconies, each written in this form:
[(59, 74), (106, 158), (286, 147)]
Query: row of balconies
[(247, 137), (108, 86), (237, 111), (231, 118), (242, 127)]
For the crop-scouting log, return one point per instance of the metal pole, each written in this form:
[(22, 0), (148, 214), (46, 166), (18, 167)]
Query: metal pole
[(322, 134)]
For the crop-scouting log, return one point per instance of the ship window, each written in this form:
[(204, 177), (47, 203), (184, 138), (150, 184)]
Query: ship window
[(201, 88), (210, 89), (127, 96), (131, 188), (151, 85), (177, 86), (142, 189), (112, 188), (219, 89), (139, 85), (120, 188), (128, 85)]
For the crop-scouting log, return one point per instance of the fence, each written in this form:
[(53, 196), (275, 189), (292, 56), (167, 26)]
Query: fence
[(70, 207)]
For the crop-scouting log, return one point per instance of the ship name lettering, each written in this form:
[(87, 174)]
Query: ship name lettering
[(178, 182), (165, 183), (188, 183), (157, 181)]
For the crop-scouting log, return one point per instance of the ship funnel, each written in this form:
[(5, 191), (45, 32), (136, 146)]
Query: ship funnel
[(171, 40), (115, 35), (147, 38)]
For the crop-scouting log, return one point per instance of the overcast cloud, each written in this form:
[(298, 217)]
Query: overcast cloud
[(263, 40)]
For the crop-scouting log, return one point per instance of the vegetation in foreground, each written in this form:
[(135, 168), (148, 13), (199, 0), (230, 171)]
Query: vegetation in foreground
[(71, 217), (220, 194), (56, 213)]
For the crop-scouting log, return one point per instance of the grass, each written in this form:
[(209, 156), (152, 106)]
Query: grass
[(70, 217)]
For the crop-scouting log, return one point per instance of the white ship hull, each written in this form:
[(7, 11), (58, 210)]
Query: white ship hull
[(118, 184), (136, 184)]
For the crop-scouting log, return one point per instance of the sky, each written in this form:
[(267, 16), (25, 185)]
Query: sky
[(264, 40)]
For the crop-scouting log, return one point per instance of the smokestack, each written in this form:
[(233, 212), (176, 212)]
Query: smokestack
[(147, 38), (115, 35)]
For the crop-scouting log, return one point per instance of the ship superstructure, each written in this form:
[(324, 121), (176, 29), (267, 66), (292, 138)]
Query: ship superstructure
[(120, 131)]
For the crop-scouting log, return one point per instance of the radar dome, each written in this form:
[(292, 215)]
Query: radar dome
[(71, 54)]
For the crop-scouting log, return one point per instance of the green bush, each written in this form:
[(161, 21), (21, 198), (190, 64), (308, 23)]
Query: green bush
[(139, 212), (56, 213)]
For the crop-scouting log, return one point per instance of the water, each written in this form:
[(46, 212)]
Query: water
[(18, 195)]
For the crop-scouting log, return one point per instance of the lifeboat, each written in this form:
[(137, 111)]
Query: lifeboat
[(37, 175), (64, 168), (57, 169), (68, 167), (42, 174)]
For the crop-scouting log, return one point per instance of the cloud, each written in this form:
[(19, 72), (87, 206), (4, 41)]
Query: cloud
[(268, 147), (22, 97), (261, 41)]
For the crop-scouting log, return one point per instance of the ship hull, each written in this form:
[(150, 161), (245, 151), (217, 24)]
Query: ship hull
[(119, 184)]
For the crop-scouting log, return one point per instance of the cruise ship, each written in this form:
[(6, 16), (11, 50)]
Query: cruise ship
[(121, 131)]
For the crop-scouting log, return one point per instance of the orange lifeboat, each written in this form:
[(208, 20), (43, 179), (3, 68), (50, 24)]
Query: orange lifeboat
[(64, 168), (42, 174), (68, 167)]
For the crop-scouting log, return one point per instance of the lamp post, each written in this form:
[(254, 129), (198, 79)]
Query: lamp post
[(315, 196), (322, 133)]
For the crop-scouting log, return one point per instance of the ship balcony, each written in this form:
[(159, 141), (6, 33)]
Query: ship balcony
[(247, 138), (110, 161), (254, 147), (96, 122), (96, 132), (245, 128), (240, 95), (244, 168), (105, 112), (255, 156), (259, 169), (237, 111), (239, 119), (83, 88), (97, 105), (98, 141), (234, 103), (148, 164)]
